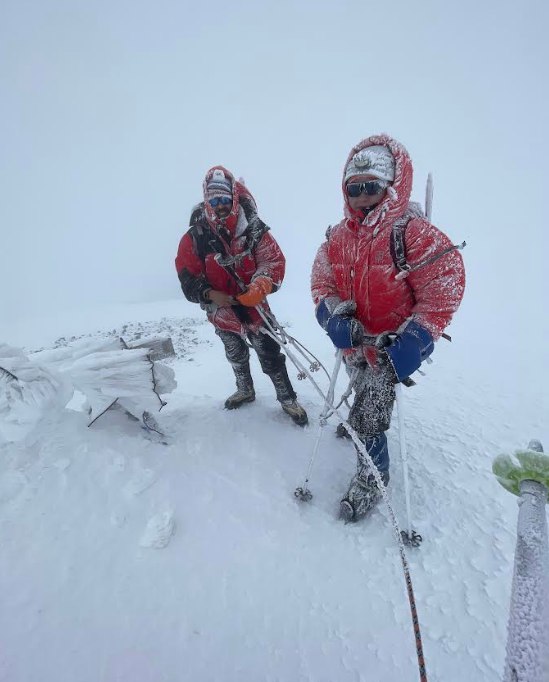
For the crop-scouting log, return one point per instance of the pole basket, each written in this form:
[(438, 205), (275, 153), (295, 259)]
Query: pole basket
[(303, 494), (411, 539)]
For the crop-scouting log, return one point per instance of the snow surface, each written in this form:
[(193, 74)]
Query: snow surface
[(124, 559)]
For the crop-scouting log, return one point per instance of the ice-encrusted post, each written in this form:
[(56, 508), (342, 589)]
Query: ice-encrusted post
[(527, 475)]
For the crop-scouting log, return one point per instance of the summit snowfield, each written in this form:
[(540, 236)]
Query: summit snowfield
[(125, 559)]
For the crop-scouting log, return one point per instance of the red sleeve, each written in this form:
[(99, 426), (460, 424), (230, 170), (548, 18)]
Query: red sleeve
[(186, 258), (438, 287), (322, 276), (270, 260)]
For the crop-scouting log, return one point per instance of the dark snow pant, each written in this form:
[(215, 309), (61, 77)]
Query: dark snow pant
[(271, 359), (370, 414)]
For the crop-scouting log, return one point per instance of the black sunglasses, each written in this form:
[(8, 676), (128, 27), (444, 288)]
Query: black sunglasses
[(371, 188)]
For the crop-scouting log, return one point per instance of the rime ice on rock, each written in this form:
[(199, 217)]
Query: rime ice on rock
[(37, 386)]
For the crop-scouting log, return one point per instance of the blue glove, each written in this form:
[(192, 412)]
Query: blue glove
[(344, 331), (409, 349), (323, 313)]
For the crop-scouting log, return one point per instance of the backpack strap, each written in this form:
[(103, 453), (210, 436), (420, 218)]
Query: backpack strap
[(398, 249), (398, 244), (205, 241)]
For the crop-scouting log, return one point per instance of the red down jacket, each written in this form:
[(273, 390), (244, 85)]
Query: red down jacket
[(355, 262), (245, 239)]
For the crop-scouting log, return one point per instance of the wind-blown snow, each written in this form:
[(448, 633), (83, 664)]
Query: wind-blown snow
[(124, 559)]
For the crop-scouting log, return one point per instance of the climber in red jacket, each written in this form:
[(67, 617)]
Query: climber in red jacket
[(385, 283), (229, 262)]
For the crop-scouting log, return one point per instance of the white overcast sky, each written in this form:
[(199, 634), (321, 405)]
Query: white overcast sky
[(111, 112)]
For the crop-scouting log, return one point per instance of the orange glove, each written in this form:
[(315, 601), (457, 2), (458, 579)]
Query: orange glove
[(256, 291)]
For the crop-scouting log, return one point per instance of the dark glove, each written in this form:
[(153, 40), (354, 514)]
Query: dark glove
[(409, 349)]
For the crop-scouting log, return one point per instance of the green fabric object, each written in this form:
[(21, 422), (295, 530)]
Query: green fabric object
[(524, 465)]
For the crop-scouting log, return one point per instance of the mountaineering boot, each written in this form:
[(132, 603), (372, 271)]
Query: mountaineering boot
[(296, 412), (285, 393), (362, 496), (245, 392), (238, 398)]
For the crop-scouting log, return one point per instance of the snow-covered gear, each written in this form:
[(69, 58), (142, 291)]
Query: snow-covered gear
[(325, 310), (376, 445), (273, 364), (370, 417), (398, 242), (218, 183), (360, 263), (355, 263), (235, 255), (303, 493), (362, 496), (239, 193), (371, 410), (242, 239), (409, 348), (239, 397), (376, 160), (344, 330), (296, 412), (409, 536), (336, 318), (256, 292)]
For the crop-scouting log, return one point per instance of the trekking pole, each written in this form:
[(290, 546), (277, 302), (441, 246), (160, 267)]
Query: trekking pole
[(410, 537), (277, 332), (398, 534), (303, 493), (284, 341)]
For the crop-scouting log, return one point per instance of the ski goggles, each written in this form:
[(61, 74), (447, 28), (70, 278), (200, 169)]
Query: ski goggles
[(220, 201), (371, 188)]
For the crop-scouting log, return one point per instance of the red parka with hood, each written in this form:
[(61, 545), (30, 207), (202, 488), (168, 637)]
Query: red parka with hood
[(355, 262), (244, 239)]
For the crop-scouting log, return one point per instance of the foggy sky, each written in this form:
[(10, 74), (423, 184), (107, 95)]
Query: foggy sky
[(111, 112)]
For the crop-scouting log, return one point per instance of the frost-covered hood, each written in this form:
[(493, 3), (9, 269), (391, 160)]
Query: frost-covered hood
[(398, 195), (239, 190)]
